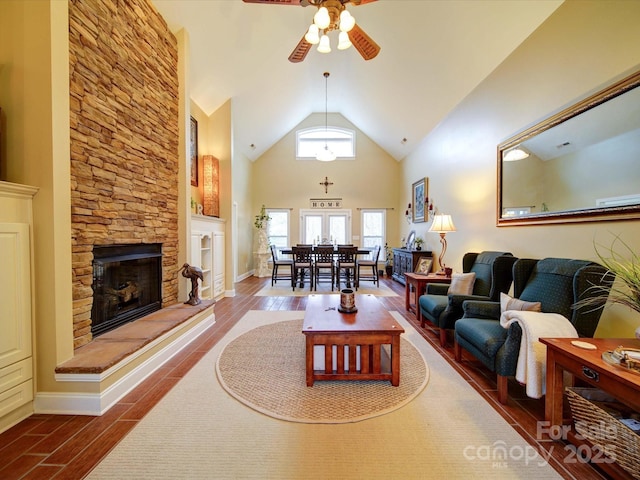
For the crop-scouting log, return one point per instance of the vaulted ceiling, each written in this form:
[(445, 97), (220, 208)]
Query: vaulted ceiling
[(433, 53)]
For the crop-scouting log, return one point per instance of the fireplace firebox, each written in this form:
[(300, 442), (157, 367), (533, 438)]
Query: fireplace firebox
[(127, 280)]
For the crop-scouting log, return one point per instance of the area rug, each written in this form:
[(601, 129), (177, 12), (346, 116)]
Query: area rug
[(284, 290), (265, 370), (199, 432)]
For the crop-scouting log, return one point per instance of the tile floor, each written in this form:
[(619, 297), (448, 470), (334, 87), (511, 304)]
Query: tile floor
[(70, 446)]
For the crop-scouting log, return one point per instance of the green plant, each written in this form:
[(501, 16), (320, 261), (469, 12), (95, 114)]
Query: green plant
[(419, 241), (620, 260), (262, 219), (388, 255)]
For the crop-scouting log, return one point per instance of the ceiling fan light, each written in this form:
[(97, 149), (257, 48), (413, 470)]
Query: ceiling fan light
[(325, 155), (343, 41), (312, 36), (321, 18), (347, 22), (324, 46)]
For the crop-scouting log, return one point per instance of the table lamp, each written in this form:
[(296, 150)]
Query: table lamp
[(442, 224)]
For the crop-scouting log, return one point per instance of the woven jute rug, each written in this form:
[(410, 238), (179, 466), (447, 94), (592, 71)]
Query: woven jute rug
[(265, 369), (200, 432)]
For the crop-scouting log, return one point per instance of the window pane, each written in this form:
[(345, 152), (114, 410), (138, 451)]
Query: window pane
[(313, 228), (278, 228), (338, 228), (310, 141), (373, 224)]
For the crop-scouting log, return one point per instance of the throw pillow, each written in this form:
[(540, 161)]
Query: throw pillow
[(509, 303), (462, 283)]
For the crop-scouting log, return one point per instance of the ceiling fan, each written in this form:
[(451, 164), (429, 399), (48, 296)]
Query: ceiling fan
[(330, 16)]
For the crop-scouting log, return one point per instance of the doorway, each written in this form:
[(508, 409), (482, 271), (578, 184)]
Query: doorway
[(325, 226)]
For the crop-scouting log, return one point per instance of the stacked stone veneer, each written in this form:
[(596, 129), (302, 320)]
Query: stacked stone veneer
[(124, 140)]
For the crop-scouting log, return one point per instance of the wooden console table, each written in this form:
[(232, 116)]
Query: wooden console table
[(405, 261), (417, 283)]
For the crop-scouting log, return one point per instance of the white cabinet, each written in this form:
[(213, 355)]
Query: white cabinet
[(218, 264), (16, 365), (208, 253), (201, 256)]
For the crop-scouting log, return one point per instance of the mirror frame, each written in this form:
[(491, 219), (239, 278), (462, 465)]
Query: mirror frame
[(628, 212)]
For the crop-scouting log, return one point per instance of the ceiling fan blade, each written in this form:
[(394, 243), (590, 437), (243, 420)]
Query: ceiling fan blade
[(300, 52), (363, 43), (274, 2)]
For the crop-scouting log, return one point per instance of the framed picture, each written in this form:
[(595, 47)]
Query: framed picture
[(193, 151), (419, 193), (424, 265)]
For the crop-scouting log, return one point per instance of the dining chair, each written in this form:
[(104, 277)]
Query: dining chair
[(302, 264), (324, 267), (280, 262), (368, 263), (346, 264)]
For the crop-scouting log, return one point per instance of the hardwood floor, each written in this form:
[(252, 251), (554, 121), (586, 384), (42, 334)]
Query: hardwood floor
[(70, 446)]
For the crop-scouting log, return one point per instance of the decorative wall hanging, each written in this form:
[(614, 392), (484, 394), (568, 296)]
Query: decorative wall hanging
[(325, 202), (210, 177), (419, 194), (193, 151)]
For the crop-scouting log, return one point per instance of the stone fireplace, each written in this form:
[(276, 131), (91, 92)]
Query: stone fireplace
[(126, 284), (124, 110)]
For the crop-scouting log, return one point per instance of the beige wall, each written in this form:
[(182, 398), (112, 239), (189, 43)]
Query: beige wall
[(581, 47), (34, 67), (34, 97), (218, 138), (371, 180)]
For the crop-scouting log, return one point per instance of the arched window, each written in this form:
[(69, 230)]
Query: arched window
[(340, 141)]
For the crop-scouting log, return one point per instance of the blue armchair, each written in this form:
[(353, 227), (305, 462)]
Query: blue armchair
[(557, 283), (493, 275)]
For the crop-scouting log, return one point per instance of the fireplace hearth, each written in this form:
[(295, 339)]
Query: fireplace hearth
[(126, 284)]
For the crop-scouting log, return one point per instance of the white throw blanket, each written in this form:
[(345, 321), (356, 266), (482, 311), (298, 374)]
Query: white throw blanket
[(532, 359)]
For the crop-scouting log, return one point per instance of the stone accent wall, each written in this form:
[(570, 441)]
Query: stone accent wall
[(124, 140)]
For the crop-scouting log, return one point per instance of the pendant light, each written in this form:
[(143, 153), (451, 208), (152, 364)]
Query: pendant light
[(325, 155)]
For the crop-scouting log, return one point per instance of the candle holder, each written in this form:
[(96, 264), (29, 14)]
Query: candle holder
[(347, 301)]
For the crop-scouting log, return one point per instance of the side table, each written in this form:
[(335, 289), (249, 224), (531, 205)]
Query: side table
[(417, 283), (588, 366)]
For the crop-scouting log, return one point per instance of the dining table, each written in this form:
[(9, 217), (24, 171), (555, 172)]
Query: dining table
[(360, 251)]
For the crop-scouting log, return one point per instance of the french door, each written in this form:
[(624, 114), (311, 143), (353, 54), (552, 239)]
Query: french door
[(325, 226)]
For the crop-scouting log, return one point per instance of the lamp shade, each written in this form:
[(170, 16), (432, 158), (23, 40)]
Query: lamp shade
[(347, 22), (442, 224), (211, 195), (322, 18), (343, 41), (326, 155), (324, 46), (312, 36)]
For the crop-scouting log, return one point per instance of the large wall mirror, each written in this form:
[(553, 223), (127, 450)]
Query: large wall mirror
[(582, 164)]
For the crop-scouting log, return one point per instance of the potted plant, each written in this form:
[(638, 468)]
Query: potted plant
[(624, 263), (262, 219), (261, 224), (419, 241)]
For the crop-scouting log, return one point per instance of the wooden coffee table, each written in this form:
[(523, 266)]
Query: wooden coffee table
[(365, 333)]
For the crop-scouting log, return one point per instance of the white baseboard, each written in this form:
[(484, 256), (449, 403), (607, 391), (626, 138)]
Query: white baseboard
[(79, 403)]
